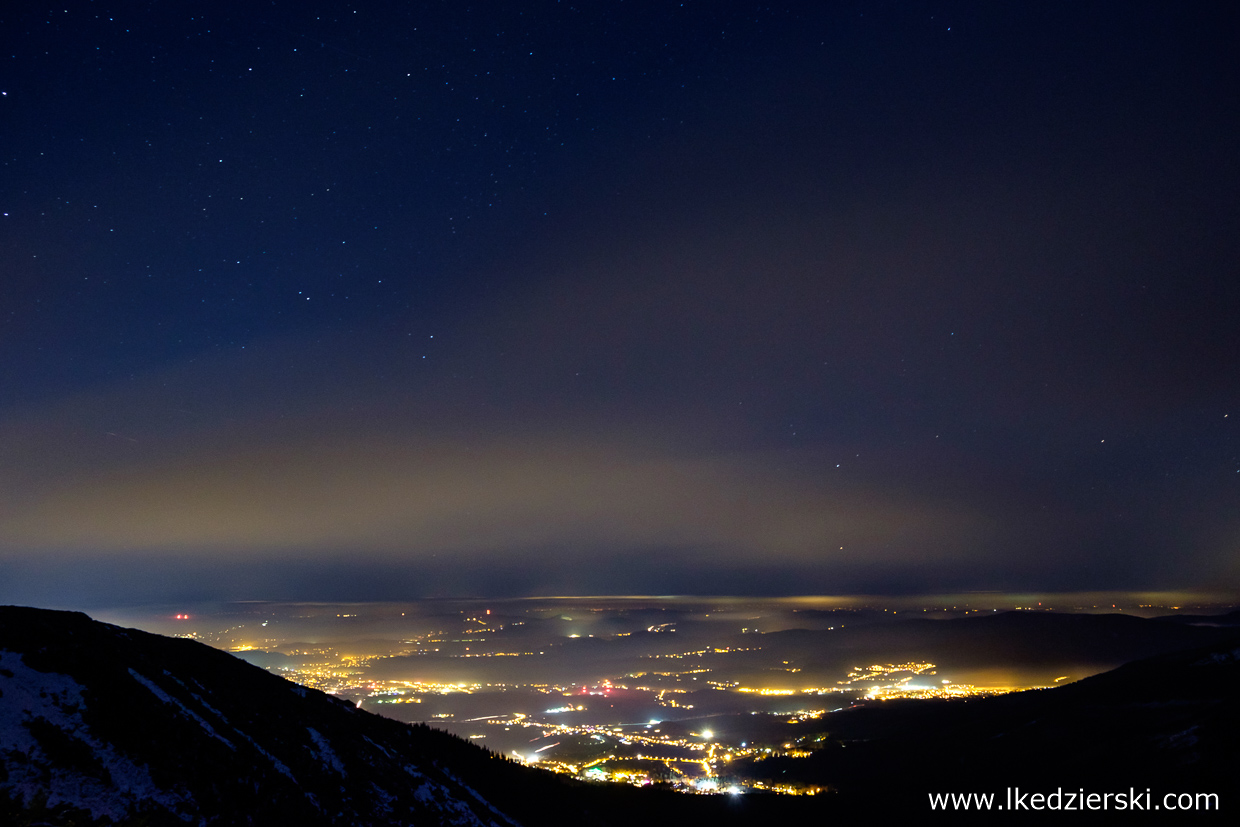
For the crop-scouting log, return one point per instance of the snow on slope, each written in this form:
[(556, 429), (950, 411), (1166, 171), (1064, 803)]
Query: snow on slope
[(51, 750)]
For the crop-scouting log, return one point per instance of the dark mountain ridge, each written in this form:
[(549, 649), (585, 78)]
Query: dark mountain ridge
[(122, 724), (101, 725), (1013, 638), (1168, 723)]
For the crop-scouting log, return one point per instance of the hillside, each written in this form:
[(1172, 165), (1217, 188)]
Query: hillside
[(1169, 723), (103, 725), (114, 723)]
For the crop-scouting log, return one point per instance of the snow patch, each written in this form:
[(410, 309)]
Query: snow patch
[(115, 786), (383, 799), (1219, 657), (479, 798), (379, 747), (169, 699), (275, 762), (327, 756), (279, 765), (198, 698)]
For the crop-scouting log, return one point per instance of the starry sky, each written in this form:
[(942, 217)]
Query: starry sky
[(332, 301)]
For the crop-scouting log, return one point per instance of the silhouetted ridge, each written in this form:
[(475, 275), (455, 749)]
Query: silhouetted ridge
[(103, 725)]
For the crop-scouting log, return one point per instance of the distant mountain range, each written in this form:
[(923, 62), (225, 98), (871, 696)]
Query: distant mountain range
[(1016, 640), (1169, 723), (104, 725)]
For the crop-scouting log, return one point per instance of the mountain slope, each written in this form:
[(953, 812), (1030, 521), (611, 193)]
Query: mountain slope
[(1169, 723), (101, 725), (116, 723)]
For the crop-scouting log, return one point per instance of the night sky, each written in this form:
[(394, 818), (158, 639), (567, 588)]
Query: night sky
[(330, 301)]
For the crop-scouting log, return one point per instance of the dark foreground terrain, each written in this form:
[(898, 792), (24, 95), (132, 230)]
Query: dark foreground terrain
[(104, 725)]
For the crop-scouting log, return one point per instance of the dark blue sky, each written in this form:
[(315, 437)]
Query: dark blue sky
[(319, 300)]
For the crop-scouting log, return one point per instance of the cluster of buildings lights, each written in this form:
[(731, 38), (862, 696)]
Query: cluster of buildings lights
[(687, 763)]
